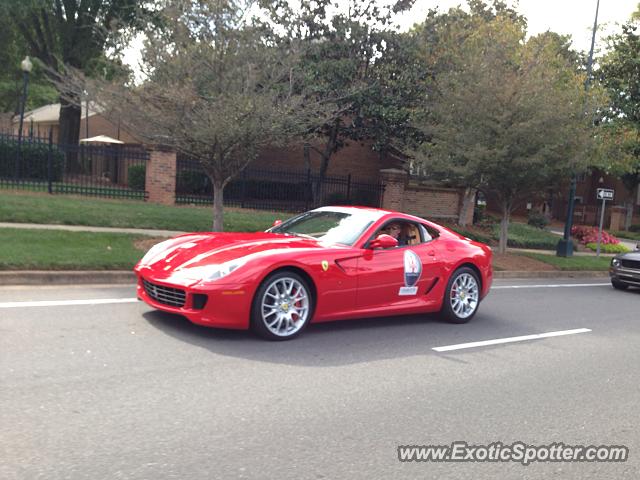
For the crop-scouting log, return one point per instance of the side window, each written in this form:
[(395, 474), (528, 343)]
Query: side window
[(428, 233), (408, 233)]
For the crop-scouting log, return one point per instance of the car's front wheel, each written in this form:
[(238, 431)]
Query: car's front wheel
[(462, 296), (282, 306)]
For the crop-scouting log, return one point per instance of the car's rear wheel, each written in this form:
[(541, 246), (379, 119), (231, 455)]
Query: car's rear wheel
[(462, 296), (619, 285), (282, 306)]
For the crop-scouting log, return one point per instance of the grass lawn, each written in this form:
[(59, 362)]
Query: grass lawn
[(627, 235), (24, 249), (571, 263), (44, 208)]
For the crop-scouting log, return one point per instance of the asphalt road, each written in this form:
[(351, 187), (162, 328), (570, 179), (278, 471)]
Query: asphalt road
[(119, 391)]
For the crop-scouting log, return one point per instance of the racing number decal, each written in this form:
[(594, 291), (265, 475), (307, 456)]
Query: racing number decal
[(412, 272)]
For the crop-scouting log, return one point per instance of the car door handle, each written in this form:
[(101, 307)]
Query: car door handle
[(431, 253)]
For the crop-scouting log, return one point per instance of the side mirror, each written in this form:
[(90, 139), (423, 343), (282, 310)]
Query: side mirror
[(383, 241), (276, 223), (638, 246)]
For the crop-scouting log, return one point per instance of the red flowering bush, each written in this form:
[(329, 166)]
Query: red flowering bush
[(590, 235)]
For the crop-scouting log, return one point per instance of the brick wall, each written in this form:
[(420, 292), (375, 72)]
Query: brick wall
[(161, 176), (356, 159), (425, 201), (432, 202)]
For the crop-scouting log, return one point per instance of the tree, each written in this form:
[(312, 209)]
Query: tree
[(73, 33), (216, 89), (355, 66), (41, 92), (507, 116), (440, 37), (619, 138)]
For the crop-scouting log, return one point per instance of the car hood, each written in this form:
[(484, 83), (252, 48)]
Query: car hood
[(630, 256), (188, 255)]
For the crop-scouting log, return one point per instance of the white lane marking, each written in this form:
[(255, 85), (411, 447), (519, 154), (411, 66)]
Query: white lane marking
[(498, 341), (64, 303), (559, 285)]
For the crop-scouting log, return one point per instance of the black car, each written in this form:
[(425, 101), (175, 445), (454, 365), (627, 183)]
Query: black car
[(625, 270)]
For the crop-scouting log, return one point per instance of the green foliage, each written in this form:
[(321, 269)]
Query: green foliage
[(619, 135), (366, 77), (14, 49), (630, 234), (136, 176), (507, 112), (525, 236), (608, 248), (476, 234), (63, 34), (193, 182), (33, 160), (538, 220)]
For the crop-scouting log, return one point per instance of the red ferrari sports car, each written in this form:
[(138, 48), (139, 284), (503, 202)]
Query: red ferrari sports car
[(327, 264)]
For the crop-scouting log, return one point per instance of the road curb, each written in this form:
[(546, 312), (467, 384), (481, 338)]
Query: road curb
[(124, 277), (67, 277)]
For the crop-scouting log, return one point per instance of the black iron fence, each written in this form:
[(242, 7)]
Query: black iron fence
[(100, 170), (284, 190)]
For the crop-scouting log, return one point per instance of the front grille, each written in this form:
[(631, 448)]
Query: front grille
[(630, 263), (173, 297)]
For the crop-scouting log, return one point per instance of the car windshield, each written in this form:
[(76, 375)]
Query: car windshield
[(328, 226)]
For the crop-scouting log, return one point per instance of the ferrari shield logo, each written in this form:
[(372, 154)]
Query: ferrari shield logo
[(325, 265), (412, 272)]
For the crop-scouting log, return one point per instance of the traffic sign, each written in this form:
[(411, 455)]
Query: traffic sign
[(605, 194)]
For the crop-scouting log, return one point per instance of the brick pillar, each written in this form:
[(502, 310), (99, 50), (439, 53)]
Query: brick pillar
[(395, 182), (161, 176), (617, 218)]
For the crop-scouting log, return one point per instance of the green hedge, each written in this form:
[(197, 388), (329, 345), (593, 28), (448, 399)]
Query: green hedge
[(526, 236), (33, 160), (193, 182), (136, 177), (608, 248)]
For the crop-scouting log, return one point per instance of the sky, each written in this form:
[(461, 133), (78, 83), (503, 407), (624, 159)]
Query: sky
[(573, 17), (568, 17)]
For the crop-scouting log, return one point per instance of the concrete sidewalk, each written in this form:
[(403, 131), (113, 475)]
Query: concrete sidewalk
[(85, 228)]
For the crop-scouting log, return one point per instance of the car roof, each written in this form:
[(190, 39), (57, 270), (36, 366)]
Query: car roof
[(373, 213)]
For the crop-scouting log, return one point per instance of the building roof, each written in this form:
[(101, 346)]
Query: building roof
[(101, 139), (51, 113)]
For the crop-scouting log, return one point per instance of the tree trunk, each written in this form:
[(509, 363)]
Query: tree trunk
[(69, 132), (504, 229), (218, 210), (324, 166), (467, 202), (628, 218)]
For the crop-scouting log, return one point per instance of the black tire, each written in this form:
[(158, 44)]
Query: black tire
[(619, 285), (448, 311), (259, 324)]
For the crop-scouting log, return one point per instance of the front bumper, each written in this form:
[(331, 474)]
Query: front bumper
[(212, 305), (628, 276)]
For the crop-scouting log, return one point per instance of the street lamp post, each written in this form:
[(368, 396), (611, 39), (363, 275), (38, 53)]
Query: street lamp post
[(565, 246), (26, 67)]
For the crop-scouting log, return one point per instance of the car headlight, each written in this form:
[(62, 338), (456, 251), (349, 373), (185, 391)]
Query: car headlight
[(222, 270), (615, 262)]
